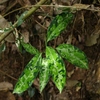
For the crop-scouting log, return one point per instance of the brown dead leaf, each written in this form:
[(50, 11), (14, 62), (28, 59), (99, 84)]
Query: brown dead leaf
[(59, 40), (81, 6), (62, 96), (5, 24), (36, 83), (70, 73), (91, 40), (25, 35), (78, 74), (47, 23), (71, 83), (98, 72), (69, 39), (5, 86), (14, 48), (98, 75)]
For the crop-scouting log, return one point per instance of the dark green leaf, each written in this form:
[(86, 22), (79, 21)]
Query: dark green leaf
[(57, 68), (44, 74), (73, 54), (21, 18), (29, 48), (31, 91), (59, 23), (28, 75)]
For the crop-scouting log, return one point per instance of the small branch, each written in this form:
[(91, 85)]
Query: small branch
[(28, 14), (95, 9), (8, 75), (3, 1), (40, 25)]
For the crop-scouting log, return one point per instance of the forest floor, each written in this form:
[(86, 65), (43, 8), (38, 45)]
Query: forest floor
[(83, 33)]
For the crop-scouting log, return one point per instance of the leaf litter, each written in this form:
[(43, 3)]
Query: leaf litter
[(83, 33)]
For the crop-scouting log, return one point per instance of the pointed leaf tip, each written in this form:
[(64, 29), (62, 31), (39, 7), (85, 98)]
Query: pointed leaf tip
[(73, 54), (57, 68), (59, 23), (44, 73), (28, 75)]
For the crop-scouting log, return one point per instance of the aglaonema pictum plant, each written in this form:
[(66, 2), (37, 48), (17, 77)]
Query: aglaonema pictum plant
[(52, 65)]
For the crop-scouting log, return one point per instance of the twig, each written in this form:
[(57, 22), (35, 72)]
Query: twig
[(35, 7), (40, 25), (8, 75), (28, 14), (57, 6), (3, 1)]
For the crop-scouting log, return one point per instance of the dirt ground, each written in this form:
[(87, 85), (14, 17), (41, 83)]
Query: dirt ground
[(83, 32)]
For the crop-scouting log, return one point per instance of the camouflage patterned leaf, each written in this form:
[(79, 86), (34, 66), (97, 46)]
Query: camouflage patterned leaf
[(28, 75), (29, 48), (73, 54), (57, 68), (59, 23), (44, 74)]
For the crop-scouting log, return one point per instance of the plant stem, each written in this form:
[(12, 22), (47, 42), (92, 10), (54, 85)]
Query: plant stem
[(28, 14)]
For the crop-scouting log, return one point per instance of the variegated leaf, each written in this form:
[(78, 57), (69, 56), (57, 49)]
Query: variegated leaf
[(28, 75), (59, 23), (44, 74), (57, 68), (29, 48), (73, 54)]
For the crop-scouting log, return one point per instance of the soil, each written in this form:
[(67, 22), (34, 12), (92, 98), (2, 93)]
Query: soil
[(83, 32)]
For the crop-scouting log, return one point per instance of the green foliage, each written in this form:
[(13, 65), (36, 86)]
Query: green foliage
[(52, 66), (44, 74), (29, 48), (57, 67), (28, 75), (59, 23), (21, 19), (73, 54)]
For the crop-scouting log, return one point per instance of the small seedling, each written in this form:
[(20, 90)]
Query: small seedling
[(52, 65)]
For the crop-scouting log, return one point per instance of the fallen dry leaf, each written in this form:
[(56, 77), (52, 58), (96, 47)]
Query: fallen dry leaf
[(36, 83), (81, 6), (62, 96), (5, 24), (59, 40), (71, 83), (91, 40), (5, 86), (25, 35), (98, 72)]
